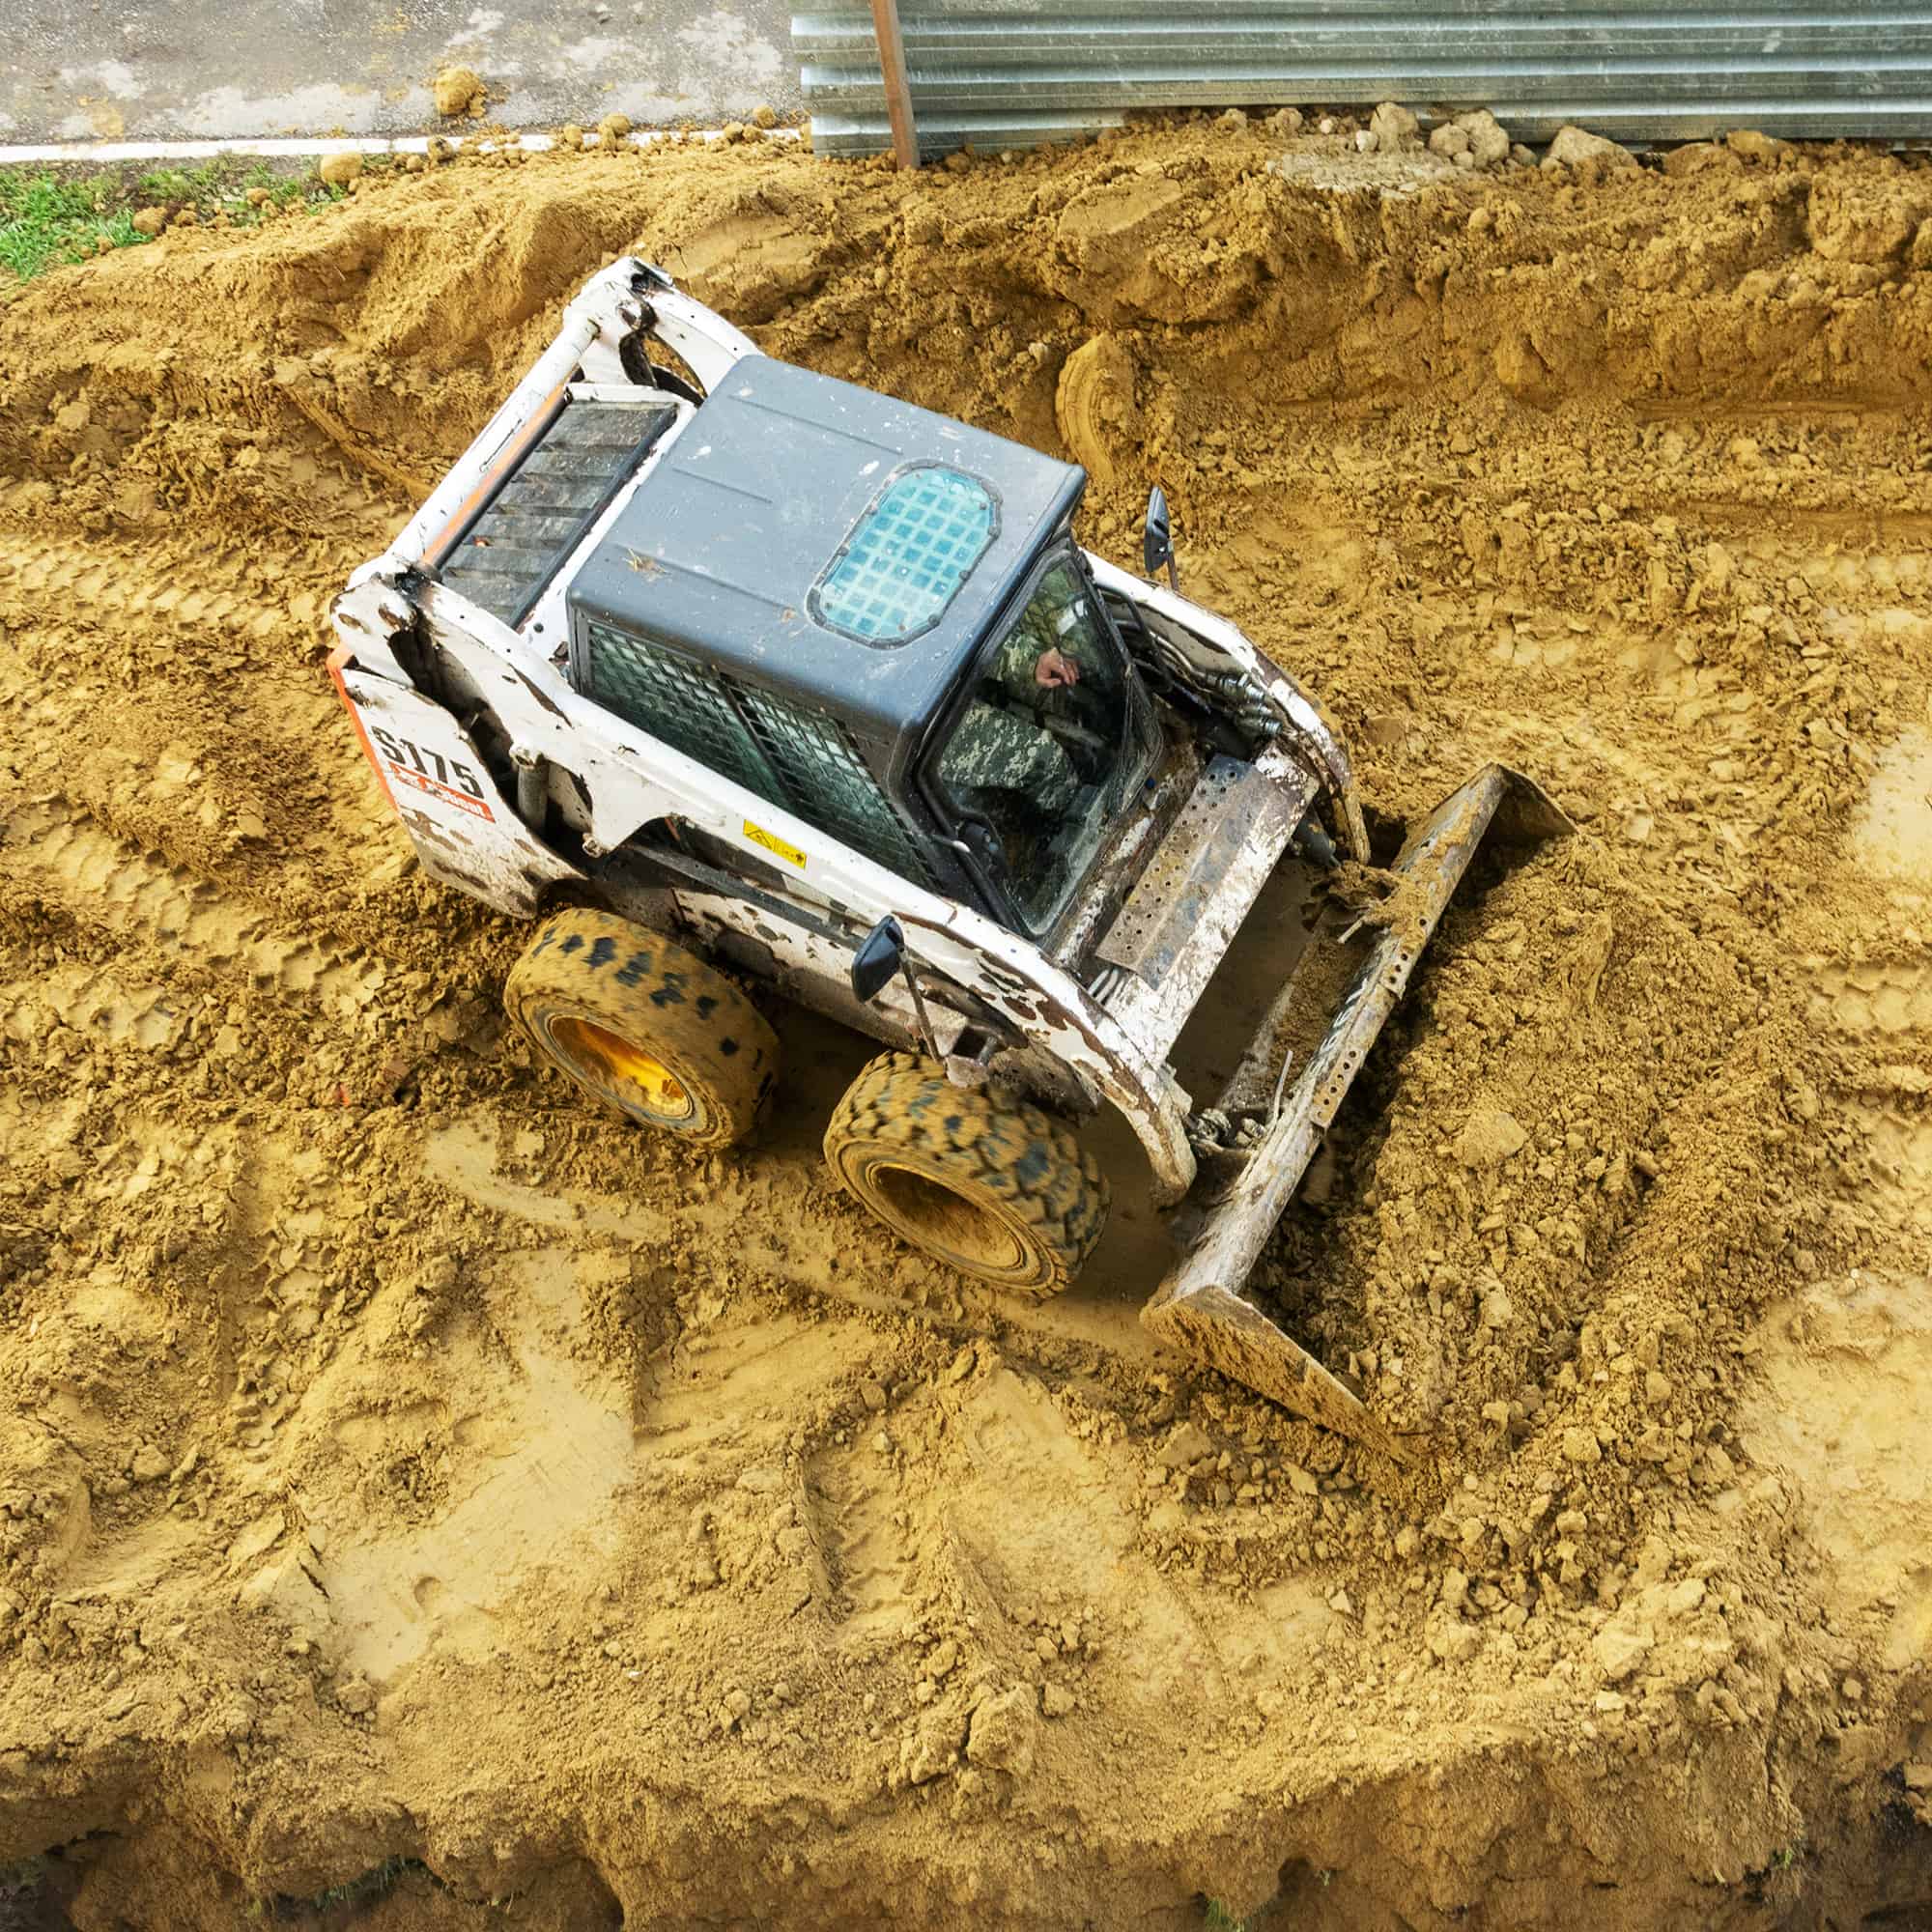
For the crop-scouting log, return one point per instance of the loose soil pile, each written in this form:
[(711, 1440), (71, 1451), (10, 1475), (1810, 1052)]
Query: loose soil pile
[(424, 1502)]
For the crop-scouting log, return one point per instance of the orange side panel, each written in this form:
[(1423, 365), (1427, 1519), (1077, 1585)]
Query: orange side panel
[(337, 658)]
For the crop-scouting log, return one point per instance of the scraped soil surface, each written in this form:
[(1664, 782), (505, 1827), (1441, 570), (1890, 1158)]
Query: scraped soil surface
[(425, 1502)]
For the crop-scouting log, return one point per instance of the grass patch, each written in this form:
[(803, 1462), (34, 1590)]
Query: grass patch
[(44, 221), (54, 217), (1219, 1918), (350, 1896), (372, 1885), (22, 1876)]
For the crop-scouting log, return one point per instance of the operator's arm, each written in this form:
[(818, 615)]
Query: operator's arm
[(1014, 665)]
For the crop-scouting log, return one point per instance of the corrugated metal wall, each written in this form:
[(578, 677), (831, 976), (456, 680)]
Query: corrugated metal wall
[(1005, 72)]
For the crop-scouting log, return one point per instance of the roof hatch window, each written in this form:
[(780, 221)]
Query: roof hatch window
[(899, 569)]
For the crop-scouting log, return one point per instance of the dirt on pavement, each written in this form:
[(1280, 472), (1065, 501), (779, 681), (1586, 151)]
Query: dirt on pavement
[(425, 1502)]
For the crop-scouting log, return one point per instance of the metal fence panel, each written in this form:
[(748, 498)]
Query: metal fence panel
[(1010, 74)]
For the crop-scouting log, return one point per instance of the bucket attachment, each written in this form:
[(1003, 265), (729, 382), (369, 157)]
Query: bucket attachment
[(1198, 1308)]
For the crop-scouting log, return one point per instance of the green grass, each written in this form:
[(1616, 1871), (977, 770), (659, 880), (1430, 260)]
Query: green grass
[(183, 185), (48, 221), (45, 223), (352, 1894), (282, 188), (1219, 1918), (372, 1885)]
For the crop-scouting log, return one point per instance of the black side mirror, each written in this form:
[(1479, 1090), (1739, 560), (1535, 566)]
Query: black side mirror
[(878, 958), (1157, 539)]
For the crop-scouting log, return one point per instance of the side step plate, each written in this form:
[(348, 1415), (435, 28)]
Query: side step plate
[(1198, 1308), (1174, 929)]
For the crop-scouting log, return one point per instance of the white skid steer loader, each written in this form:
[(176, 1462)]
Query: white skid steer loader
[(736, 674)]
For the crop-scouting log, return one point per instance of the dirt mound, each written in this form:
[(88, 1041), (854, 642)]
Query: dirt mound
[(423, 1499)]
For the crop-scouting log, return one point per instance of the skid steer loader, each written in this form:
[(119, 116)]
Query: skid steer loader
[(731, 673)]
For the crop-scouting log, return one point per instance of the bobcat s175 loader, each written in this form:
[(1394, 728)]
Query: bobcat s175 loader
[(736, 676)]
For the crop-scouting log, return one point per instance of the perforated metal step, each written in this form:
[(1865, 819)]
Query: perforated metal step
[(1175, 926)]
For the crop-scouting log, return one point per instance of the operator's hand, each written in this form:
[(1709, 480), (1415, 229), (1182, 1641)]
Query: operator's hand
[(1055, 669)]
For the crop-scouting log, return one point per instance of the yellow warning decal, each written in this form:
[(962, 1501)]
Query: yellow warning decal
[(772, 842)]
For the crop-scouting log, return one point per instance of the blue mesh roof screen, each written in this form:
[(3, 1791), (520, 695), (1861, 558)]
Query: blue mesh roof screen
[(906, 555)]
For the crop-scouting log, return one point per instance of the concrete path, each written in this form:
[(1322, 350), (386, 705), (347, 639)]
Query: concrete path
[(161, 69)]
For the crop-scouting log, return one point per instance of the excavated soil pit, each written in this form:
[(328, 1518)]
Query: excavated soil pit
[(425, 1503)]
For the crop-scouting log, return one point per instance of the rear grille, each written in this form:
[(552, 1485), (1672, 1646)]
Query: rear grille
[(677, 699), (543, 511), (803, 761)]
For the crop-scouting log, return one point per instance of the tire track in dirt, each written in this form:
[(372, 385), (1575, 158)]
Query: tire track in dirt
[(1899, 1147), (135, 585), (98, 1004), (1871, 996), (1881, 1009), (104, 882), (849, 1504), (197, 639)]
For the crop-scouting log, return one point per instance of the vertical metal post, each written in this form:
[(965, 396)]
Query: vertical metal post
[(898, 89)]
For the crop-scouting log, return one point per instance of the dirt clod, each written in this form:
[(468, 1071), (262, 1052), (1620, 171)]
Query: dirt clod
[(1394, 128), (1574, 147), (458, 89), (1003, 1731), (1490, 1136)]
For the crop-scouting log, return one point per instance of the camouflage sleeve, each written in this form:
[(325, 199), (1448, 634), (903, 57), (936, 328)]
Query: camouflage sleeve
[(1014, 665)]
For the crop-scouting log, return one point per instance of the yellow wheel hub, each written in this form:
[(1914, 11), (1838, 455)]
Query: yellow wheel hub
[(623, 1064)]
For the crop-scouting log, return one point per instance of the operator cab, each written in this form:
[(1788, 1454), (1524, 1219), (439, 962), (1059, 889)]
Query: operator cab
[(1051, 736), (875, 617)]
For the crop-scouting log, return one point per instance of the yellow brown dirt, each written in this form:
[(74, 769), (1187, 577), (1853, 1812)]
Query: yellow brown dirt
[(400, 1463)]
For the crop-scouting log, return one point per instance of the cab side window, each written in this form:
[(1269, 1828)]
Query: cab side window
[(1037, 749)]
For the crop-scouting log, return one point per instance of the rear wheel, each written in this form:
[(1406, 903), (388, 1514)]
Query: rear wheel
[(997, 1189), (644, 1026)]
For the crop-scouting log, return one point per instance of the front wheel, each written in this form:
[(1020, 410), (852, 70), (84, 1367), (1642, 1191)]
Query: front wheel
[(644, 1026), (999, 1190)]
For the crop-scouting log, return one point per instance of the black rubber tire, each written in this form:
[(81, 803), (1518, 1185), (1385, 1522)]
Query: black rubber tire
[(636, 990), (999, 1190)]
